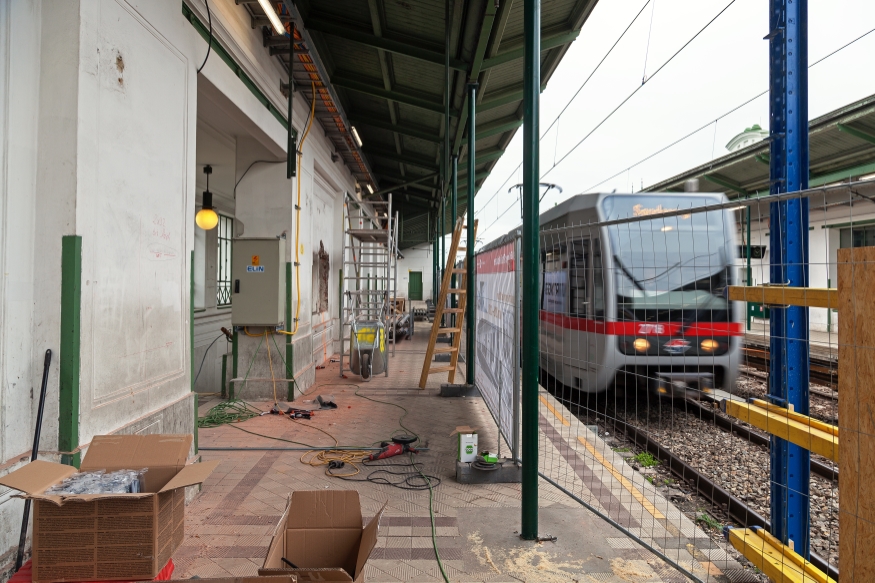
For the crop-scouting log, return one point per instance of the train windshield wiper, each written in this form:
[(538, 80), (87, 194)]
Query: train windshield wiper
[(627, 273)]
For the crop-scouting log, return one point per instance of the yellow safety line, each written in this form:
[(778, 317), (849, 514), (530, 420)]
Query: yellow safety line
[(554, 411), (648, 505), (641, 498)]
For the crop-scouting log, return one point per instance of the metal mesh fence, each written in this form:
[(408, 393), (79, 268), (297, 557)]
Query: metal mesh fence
[(656, 409)]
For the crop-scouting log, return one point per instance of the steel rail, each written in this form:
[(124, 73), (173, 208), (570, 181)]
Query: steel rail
[(734, 507)]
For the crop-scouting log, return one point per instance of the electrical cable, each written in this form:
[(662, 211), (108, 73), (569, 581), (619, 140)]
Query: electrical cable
[(210, 44), (205, 358), (227, 412), (437, 555), (239, 180), (298, 212), (573, 97), (718, 118)]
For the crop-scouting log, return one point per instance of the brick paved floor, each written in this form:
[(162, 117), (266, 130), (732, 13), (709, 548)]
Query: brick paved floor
[(228, 526)]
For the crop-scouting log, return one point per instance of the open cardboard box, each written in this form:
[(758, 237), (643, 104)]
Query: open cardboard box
[(102, 537), (321, 533)]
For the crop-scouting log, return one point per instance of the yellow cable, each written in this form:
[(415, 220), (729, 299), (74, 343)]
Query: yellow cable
[(298, 214), (270, 364)]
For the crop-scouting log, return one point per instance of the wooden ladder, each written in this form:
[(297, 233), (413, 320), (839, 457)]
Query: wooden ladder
[(441, 309)]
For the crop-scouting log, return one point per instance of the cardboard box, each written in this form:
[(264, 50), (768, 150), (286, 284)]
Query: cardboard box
[(102, 537), (321, 533), (272, 579), (467, 443)]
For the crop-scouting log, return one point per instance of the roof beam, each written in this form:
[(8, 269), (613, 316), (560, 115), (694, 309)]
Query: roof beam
[(477, 64), (547, 42), (356, 35), (375, 90), (403, 184), (726, 183), (504, 97), (485, 156), (498, 126), (411, 131), (865, 136), (412, 159)]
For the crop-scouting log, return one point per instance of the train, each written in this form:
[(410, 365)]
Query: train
[(641, 302)]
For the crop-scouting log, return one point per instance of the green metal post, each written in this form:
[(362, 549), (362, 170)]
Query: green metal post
[(748, 282), (68, 389), (454, 214), (225, 376), (530, 260), (469, 245), (290, 349), (191, 341), (234, 344)]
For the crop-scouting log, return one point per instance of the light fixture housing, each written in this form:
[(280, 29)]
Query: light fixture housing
[(206, 218), (370, 188), (272, 16), (355, 135)]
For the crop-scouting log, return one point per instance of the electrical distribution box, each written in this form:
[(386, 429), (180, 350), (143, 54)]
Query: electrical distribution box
[(258, 282)]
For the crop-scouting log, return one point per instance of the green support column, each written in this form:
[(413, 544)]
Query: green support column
[(454, 214), (191, 341), (290, 349), (748, 282), (469, 245), (234, 344), (530, 260), (68, 385)]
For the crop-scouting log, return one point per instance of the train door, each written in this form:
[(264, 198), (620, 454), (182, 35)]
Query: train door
[(553, 307), (597, 341), (580, 339)]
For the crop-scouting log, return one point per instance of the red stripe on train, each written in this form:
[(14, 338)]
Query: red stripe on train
[(641, 328)]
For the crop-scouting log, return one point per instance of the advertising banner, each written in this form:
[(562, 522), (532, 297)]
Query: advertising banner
[(496, 335)]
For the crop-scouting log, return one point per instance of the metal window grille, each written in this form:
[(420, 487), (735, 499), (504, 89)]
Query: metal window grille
[(223, 263)]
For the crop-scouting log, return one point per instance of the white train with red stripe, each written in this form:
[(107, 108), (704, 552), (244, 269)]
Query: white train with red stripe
[(641, 302)]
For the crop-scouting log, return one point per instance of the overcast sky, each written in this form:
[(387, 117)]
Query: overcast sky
[(722, 68)]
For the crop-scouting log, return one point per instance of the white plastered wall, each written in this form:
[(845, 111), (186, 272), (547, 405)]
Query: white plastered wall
[(98, 138), (417, 258)]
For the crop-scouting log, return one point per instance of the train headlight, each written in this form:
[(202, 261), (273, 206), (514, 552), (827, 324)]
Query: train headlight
[(709, 345), (641, 344)]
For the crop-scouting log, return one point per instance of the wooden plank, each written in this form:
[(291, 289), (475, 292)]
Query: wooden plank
[(812, 297), (793, 427), (856, 282), (779, 562)]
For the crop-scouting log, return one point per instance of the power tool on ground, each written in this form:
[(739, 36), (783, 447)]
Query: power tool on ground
[(400, 444)]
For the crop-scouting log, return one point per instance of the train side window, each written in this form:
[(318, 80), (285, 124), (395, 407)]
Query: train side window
[(554, 280), (598, 281), (577, 276)]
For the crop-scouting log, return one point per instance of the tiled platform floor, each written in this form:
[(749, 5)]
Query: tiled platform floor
[(229, 524)]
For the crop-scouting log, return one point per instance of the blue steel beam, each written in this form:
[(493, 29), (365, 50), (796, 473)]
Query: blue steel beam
[(788, 346)]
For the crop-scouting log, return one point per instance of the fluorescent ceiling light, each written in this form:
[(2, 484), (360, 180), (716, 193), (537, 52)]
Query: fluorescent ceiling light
[(667, 228), (272, 16), (355, 134), (370, 188)]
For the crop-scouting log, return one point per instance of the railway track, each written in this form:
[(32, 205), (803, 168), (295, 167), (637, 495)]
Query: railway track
[(704, 486), (822, 371)]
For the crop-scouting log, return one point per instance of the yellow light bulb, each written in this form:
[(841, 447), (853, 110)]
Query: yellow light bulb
[(709, 345), (206, 219)]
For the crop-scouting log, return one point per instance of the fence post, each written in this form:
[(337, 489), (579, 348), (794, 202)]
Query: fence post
[(530, 259), (788, 345), (470, 315)]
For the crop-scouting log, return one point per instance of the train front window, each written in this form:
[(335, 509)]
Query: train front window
[(669, 268)]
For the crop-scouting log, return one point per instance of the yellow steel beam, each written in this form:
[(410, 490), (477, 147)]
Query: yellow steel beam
[(779, 562), (815, 436), (812, 297)]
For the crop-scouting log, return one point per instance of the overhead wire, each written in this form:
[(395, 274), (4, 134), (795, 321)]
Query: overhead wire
[(621, 104), (637, 89), (721, 116), (568, 103)]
